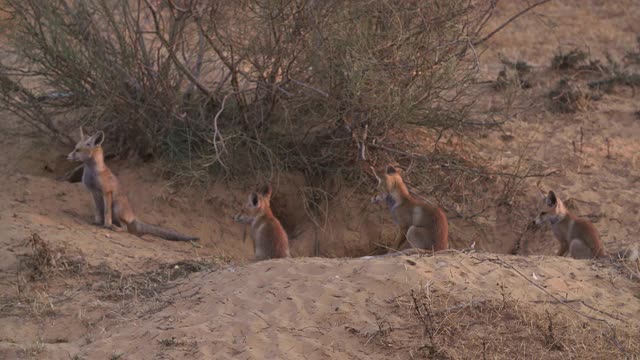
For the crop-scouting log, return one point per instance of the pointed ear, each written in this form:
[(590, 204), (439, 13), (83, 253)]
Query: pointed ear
[(98, 138), (391, 170), (266, 190), (81, 133), (552, 200), (253, 199)]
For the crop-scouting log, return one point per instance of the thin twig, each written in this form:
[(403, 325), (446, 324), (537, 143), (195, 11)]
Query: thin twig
[(511, 19)]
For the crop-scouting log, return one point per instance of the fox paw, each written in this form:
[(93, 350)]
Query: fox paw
[(113, 227)]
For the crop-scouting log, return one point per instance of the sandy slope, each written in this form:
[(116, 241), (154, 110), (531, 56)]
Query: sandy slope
[(318, 308)]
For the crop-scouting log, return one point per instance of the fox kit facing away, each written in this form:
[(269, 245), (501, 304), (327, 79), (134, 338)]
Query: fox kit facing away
[(270, 241), (578, 237), (111, 201), (422, 225)]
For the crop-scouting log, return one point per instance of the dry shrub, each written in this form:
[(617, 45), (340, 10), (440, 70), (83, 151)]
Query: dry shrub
[(44, 260), (573, 59), (623, 78), (118, 287), (569, 96), (633, 56), (244, 86), (431, 324), (513, 74)]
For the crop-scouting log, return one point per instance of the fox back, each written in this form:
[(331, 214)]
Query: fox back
[(269, 238)]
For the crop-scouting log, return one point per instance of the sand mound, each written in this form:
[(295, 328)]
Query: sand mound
[(365, 309)]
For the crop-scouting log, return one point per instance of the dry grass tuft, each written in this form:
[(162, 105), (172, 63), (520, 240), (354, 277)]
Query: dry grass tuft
[(568, 96), (571, 60), (430, 323), (622, 78), (513, 74), (117, 287), (45, 260)]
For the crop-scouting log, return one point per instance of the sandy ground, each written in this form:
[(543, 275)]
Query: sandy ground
[(115, 296)]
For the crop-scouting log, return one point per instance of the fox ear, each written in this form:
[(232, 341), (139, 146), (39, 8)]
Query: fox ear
[(253, 199), (266, 191), (81, 133), (98, 138), (552, 200), (391, 170)]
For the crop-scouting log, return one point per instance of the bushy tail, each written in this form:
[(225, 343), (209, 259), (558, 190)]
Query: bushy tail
[(140, 228)]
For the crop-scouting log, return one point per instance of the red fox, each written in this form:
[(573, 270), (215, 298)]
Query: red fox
[(578, 237), (270, 241), (422, 225), (112, 204)]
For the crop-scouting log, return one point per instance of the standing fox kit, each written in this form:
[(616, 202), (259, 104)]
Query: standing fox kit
[(578, 237), (270, 241), (422, 225), (112, 204)]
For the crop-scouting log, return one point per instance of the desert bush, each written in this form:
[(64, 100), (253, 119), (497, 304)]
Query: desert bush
[(513, 74), (607, 84), (633, 56), (249, 85), (569, 60), (569, 96)]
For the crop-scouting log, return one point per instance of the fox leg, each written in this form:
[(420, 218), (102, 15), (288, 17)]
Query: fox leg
[(108, 209), (564, 247), (99, 209), (401, 237), (419, 238), (579, 250), (116, 213)]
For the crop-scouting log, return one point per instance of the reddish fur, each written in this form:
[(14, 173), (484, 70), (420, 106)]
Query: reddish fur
[(269, 238), (111, 201), (566, 227), (430, 225)]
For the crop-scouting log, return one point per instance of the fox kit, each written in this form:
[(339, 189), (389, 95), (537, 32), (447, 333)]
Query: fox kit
[(578, 237), (112, 203), (422, 225), (270, 241)]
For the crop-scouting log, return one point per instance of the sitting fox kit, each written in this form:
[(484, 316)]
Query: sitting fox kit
[(270, 241), (422, 225), (111, 202), (578, 237)]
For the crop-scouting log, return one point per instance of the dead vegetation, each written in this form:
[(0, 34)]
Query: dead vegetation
[(114, 286), (569, 96), (243, 86), (571, 60), (513, 74), (44, 260), (431, 323), (43, 266)]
